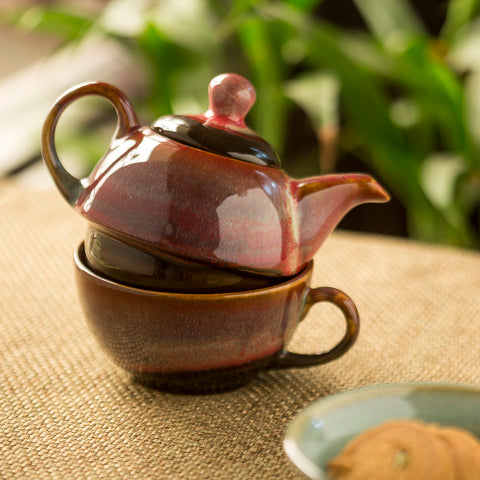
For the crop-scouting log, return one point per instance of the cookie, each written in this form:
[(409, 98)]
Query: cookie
[(464, 449), (396, 450)]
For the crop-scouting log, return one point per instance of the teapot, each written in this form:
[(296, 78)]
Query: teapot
[(204, 188)]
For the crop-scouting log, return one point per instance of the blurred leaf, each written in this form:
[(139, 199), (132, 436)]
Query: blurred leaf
[(432, 226), (126, 18), (367, 109), (437, 89), (472, 106), (439, 175), (160, 56), (188, 23), (392, 22), (233, 14), (465, 48), (169, 63), (269, 112), (459, 14), (366, 52), (68, 24), (306, 6), (318, 94)]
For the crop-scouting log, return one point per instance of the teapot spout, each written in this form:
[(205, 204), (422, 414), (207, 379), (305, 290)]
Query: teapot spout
[(323, 201)]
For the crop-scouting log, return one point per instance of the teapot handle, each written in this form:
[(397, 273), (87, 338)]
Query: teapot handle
[(288, 359), (70, 186)]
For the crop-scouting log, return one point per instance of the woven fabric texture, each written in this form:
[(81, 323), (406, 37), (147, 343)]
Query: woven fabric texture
[(67, 412)]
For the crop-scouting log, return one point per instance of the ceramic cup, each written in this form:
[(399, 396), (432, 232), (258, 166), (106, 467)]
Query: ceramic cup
[(204, 342)]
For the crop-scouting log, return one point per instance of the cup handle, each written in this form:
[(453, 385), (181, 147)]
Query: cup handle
[(70, 186), (288, 359)]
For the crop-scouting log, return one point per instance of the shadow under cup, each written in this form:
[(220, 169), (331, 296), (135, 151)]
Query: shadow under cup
[(204, 342)]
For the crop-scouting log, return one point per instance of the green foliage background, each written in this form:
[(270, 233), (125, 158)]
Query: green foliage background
[(405, 102)]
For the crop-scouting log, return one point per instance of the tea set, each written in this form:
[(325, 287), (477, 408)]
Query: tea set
[(196, 266)]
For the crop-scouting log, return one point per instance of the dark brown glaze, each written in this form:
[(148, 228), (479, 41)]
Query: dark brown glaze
[(172, 340), (117, 260), (191, 132)]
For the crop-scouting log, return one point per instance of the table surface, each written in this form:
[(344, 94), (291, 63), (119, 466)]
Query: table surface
[(67, 412)]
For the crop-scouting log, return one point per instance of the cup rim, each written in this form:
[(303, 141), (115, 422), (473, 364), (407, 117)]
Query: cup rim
[(83, 267)]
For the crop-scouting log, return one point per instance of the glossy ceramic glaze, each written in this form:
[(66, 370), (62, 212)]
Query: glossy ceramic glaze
[(320, 431), (201, 342), (124, 263), (204, 197)]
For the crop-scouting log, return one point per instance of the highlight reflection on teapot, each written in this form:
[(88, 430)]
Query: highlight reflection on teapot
[(204, 188)]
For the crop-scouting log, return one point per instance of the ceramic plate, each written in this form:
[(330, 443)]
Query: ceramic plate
[(320, 431)]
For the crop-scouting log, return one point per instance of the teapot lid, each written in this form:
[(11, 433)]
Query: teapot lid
[(222, 129)]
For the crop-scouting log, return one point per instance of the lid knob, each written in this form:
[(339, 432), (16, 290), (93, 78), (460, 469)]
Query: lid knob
[(231, 97), (222, 129)]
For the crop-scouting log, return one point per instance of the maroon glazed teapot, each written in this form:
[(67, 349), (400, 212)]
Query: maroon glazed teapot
[(204, 188)]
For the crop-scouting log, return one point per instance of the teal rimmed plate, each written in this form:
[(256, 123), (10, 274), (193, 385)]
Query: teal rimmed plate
[(322, 429)]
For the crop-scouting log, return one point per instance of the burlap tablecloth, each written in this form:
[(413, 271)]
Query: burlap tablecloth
[(67, 412)]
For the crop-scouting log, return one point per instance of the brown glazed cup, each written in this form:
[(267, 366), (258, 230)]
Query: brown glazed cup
[(200, 343)]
